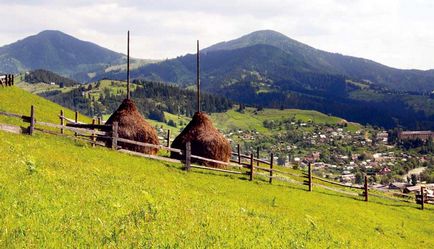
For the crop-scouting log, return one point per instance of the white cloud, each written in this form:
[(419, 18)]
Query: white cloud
[(393, 32)]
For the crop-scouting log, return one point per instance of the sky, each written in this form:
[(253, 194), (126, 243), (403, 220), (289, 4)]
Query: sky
[(397, 33)]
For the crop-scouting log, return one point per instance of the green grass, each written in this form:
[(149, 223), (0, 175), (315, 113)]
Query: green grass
[(19, 101), (57, 193), (249, 120), (83, 197)]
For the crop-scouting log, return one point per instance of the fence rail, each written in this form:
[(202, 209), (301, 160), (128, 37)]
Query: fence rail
[(251, 166)]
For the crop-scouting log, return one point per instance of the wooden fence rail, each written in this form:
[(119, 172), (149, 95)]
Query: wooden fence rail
[(110, 132)]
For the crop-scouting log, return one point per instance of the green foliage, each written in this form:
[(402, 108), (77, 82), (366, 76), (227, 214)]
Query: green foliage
[(45, 76)]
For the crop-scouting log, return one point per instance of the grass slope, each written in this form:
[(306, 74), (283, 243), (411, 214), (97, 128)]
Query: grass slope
[(16, 100), (58, 193), (253, 120), (76, 195)]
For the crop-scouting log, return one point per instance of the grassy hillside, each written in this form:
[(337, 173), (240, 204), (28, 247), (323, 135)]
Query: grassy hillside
[(254, 120), (16, 100), (56, 193), (88, 197)]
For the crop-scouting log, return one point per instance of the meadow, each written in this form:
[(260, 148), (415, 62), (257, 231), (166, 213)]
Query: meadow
[(59, 193)]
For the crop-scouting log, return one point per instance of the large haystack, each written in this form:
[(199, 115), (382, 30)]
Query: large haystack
[(133, 126), (206, 141)]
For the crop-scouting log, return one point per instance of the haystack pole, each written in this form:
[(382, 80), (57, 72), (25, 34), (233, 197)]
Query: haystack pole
[(206, 141), (198, 76), (128, 65), (131, 124)]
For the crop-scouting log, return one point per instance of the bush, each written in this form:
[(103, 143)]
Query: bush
[(171, 123)]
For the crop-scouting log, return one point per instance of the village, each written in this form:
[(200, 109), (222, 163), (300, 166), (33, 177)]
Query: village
[(345, 155)]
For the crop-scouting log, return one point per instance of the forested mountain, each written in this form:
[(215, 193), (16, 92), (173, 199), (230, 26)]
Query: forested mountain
[(273, 56), (45, 76), (268, 69), (57, 52)]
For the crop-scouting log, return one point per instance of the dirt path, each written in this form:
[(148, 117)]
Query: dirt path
[(415, 171)]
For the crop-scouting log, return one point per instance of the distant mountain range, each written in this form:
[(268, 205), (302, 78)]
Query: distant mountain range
[(264, 68), (57, 52), (272, 56)]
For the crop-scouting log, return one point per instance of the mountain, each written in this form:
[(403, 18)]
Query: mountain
[(268, 69), (226, 61), (57, 52)]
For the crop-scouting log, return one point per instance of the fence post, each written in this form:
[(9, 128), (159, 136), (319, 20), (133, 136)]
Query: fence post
[(310, 176), (76, 120), (12, 80), (187, 156), (62, 122), (115, 127), (168, 138), (257, 156), (366, 188), (32, 120), (422, 197), (251, 167), (99, 120), (271, 167), (239, 153), (93, 133)]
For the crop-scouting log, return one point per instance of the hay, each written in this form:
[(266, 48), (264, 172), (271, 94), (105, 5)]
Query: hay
[(133, 126), (206, 141)]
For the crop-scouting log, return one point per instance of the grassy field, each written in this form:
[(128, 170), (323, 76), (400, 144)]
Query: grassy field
[(252, 120), (16, 100), (57, 193)]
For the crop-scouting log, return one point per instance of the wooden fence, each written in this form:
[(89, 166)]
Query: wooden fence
[(240, 164), (6, 80)]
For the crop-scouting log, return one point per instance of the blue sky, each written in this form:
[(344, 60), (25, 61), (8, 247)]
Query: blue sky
[(397, 33)]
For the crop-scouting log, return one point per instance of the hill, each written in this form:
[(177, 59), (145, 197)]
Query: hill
[(45, 76), (268, 69), (56, 51), (19, 101), (56, 193)]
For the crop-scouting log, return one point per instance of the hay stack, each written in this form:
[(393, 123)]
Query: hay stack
[(206, 141), (133, 126)]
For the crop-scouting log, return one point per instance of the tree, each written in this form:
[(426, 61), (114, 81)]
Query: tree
[(413, 179), (359, 178), (171, 123)]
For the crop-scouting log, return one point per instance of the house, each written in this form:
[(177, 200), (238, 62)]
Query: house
[(413, 135), (384, 171), (398, 185)]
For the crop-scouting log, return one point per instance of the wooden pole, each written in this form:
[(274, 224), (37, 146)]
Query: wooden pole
[(422, 197), (257, 156), (32, 120), (12, 79), (366, 188), (168, 138), (198, 76), (93, 133), (62, 121), (187, 156), (76, 120), (128, 65), (99, 120), (115, 128), (271, 168), (239, 153), (251, 167), (310, 176)]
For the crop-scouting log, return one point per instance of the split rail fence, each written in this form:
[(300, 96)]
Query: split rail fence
[(99, 134), (6, 80)]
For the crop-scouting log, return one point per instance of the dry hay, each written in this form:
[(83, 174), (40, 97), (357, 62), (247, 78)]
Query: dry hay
[(206, 141), (133, 126)]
